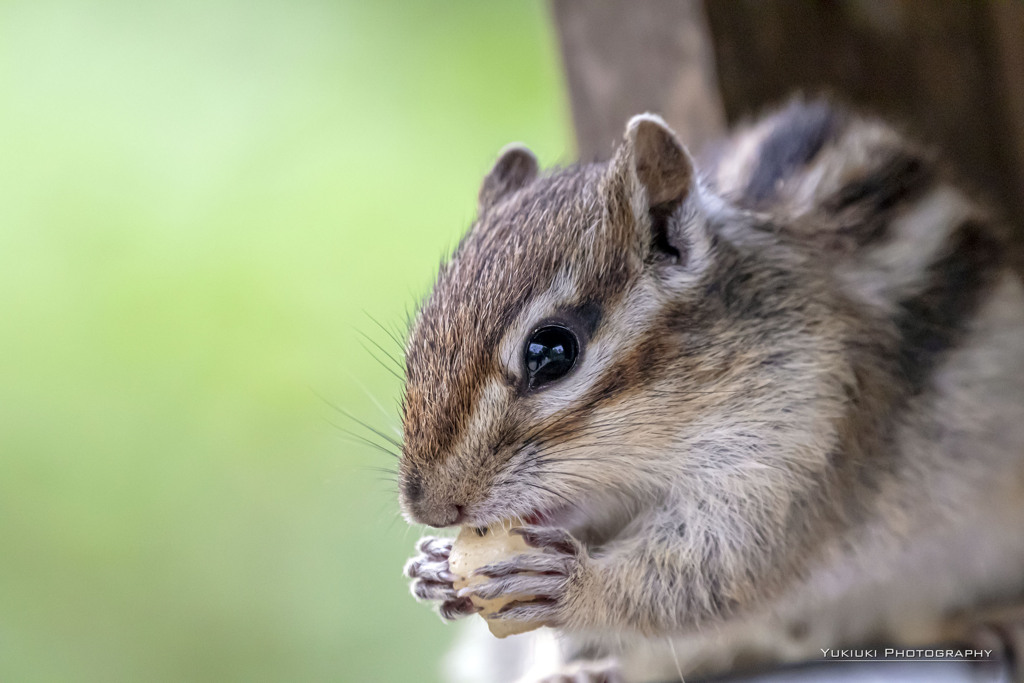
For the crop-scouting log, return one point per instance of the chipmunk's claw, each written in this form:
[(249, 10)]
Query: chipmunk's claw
[(450, 610), (517, 584), (432, 579), (550, 538), (545, 610), (528, 562), (435, 548)]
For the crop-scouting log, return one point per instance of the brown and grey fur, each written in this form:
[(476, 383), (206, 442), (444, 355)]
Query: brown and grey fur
[(797, 420)]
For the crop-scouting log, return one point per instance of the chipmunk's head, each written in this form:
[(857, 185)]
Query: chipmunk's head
[(592, 325)]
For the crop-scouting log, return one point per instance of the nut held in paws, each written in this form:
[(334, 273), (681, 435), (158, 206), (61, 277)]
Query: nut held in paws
[(476, 548)]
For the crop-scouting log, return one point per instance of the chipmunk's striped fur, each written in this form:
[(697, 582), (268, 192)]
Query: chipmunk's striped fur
[(797, 420)]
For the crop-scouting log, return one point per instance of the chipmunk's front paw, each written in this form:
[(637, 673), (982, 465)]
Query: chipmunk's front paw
[(432, 579), (538, 582)]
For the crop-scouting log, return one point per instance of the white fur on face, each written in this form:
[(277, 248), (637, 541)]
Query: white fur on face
[(561, 291)]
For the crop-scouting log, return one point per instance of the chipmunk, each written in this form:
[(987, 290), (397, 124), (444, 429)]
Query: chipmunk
[(751, 409)]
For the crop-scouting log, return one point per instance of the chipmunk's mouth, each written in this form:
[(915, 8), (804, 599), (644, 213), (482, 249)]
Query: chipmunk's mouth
[(565, 516), (536, 518), (554, 517), (594, 523)]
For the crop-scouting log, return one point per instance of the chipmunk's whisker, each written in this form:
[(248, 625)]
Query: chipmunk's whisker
[(373, 399), (394, 337), (355, 419), (362, 440), (397, 374)]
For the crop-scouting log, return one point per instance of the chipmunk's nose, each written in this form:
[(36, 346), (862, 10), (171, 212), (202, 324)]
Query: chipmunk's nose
[(439, 515), (426, 509)]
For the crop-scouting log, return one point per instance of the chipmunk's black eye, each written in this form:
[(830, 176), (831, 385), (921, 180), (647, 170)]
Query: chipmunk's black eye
[(550, 354)]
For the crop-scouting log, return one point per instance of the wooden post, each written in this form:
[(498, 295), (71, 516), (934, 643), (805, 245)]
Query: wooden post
[(625, 57)]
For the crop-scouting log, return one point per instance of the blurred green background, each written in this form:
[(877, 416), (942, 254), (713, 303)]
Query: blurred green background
[(198, 202)]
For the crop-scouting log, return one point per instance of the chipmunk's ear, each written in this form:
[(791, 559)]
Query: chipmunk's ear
[(649, 179), (515, 168), (663, 166)]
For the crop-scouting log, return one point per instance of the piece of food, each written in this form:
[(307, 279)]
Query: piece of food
[(475, 548)]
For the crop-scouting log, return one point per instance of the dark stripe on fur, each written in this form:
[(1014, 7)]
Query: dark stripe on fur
[(935, 320), (800, 133), (866, 205)]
